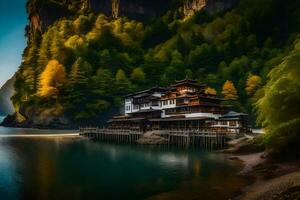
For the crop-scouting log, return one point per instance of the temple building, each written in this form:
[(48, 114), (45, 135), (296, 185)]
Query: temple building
[(182, 106)]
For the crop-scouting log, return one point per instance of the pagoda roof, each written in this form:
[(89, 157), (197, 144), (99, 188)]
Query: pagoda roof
[(233, 114), (147, 92), (200, 95), (187, 82)]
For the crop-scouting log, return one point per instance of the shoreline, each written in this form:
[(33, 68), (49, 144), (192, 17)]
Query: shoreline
[(271, 179), (61, 128), (39, 135)]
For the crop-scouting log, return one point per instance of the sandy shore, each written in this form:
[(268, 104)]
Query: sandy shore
[(282, 187), (250, 161), (273, 179)]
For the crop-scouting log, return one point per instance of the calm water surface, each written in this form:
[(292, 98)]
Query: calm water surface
[(70, 168)]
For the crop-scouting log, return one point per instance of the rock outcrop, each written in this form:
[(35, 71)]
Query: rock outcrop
[(6, 92), (41, 14), (153, 138), (39, 118)]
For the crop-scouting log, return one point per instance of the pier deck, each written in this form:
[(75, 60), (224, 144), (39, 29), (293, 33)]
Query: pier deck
[(181, 138)]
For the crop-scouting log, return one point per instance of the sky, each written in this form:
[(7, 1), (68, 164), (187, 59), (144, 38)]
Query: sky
[(13, 20)]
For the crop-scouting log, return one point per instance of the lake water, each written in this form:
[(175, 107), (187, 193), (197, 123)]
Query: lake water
[(73, 168)]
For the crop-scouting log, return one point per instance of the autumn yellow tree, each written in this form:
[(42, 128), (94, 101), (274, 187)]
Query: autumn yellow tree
[(210, 91), (228, 91), (252, 84), (51, 78)]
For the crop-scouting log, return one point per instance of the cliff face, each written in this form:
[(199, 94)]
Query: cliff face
[(151, 8), (214, 6), (6, 93), (43, 13), (133, 8)]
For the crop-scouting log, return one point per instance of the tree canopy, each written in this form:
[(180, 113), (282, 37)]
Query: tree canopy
[(278, 109)]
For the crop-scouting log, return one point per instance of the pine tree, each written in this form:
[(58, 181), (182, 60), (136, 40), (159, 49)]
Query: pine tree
[(79, 72), (44, 53), (30, 63), (79, 90), (29, 82), (58, 50)]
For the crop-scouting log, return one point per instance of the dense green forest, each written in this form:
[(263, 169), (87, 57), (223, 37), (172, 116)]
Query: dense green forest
[(82, 65)]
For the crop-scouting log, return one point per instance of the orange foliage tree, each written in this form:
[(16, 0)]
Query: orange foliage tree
[(228, 91), (51, 78)]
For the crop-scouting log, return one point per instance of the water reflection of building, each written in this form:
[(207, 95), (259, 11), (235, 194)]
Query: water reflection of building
[(182, 106)]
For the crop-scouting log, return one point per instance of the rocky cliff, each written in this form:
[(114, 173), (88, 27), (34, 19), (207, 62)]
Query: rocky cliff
[(6, 93), (42, 13)]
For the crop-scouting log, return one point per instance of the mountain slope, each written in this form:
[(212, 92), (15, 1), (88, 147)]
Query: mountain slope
[(78, 67)]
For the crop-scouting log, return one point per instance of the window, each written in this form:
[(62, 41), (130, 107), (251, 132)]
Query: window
[(135, 107), (127, 108), (155, 103), (232, 123), (165, 102), (223, 122)]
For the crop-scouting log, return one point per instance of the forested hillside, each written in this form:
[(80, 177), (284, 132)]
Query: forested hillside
[(80, 64)]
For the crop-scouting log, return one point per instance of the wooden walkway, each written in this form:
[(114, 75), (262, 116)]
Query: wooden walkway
[(181, 138), (111, 135)]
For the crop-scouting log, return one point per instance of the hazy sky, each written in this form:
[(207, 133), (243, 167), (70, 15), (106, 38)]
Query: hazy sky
[(13, 20)]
